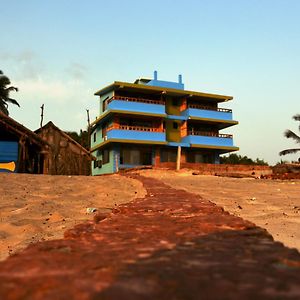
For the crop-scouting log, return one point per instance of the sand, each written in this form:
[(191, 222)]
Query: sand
[(40, 207), (271, 204)]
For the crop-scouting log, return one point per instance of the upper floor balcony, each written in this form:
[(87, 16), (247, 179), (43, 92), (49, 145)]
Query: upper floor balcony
[(136, 134), (207, 112), (136, 105)]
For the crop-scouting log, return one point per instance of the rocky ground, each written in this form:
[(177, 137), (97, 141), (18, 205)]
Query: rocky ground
[(38, 207), (170, 244), (271, 204)]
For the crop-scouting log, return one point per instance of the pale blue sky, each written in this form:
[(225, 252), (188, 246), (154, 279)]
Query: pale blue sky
[(60, 52)]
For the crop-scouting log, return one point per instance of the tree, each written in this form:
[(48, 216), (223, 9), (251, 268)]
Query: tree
[(81, 138), (234, 159), (4, 93), (290, 134)]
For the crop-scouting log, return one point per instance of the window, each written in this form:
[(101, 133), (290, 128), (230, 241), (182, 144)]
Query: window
[(97, 164), (175, 102), (104, 104), (132, 156), (168, 155), (175, 125), (94, 137), (104, 129), (105, 156), (199, 157), (134, 122)]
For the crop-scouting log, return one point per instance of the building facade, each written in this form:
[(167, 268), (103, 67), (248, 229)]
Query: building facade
[(144, 123)]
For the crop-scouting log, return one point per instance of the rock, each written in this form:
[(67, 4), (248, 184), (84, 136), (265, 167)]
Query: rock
[(99, 217), (91, 210)]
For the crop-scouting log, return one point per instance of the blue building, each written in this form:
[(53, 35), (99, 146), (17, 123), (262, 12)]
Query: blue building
[(144, 122)]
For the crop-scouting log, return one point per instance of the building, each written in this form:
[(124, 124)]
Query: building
[(67, 157), (144, 123), (48, 150), (21, 150)]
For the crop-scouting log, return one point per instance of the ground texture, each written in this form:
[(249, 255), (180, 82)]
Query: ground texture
[(40, 207), (271, 204), (171, 244)]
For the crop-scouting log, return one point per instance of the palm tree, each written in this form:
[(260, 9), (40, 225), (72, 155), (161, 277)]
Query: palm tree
[(290, 134), (4, 93)]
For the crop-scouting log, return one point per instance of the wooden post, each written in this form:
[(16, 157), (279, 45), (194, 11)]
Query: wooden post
[(117, 163), (42, 115), (89, 129), (178, 158)]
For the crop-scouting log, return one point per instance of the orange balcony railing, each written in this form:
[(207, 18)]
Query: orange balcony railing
[(139, 128), (200, 106), (209, 133), (132, 99)]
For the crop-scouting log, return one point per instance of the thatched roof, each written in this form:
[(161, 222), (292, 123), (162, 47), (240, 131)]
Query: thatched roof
[(12, 126), (51, 125)]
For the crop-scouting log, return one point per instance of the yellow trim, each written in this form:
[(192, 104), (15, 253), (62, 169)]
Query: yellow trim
[(214, 120), (100, 118), (170, 91), (127, 141), (215, 147)]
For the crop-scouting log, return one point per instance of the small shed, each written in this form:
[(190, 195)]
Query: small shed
[(67, 157), (21, 150)]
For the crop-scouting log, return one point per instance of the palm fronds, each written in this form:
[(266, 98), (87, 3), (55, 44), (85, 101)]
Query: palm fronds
[(4, 93), (292, 135), (288, 151)]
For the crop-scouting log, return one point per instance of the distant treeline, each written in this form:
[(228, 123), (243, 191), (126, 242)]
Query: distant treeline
[(235, 159), (81, 138)]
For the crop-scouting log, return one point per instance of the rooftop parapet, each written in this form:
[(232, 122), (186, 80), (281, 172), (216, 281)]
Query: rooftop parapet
[(162, 83)]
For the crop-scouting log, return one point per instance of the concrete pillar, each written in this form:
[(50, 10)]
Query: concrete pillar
[(178, 158)]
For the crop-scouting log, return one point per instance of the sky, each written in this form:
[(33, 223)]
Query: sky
[(59, 52)]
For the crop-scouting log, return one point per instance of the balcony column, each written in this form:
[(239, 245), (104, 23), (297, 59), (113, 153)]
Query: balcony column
[(183, 129), (178, 158), (183, 105), (217, 158), (157, 156), (116, 122)]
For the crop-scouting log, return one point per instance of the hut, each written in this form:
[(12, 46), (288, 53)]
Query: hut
[(21, 150), (67, 157)]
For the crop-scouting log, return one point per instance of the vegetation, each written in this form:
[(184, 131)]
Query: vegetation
[(5, 89), (81, 138), (290, 134), (235, 159)]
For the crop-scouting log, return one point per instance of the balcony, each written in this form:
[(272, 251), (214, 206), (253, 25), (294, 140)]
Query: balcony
[(136, 134), (206, 112), (136, 105), (208, 139)]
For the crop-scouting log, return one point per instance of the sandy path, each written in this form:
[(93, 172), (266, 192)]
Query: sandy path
[(274, 205), (40, 207)]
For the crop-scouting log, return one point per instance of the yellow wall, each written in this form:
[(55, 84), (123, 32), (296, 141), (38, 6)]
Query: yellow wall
[(172, 109), (172, 134)]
